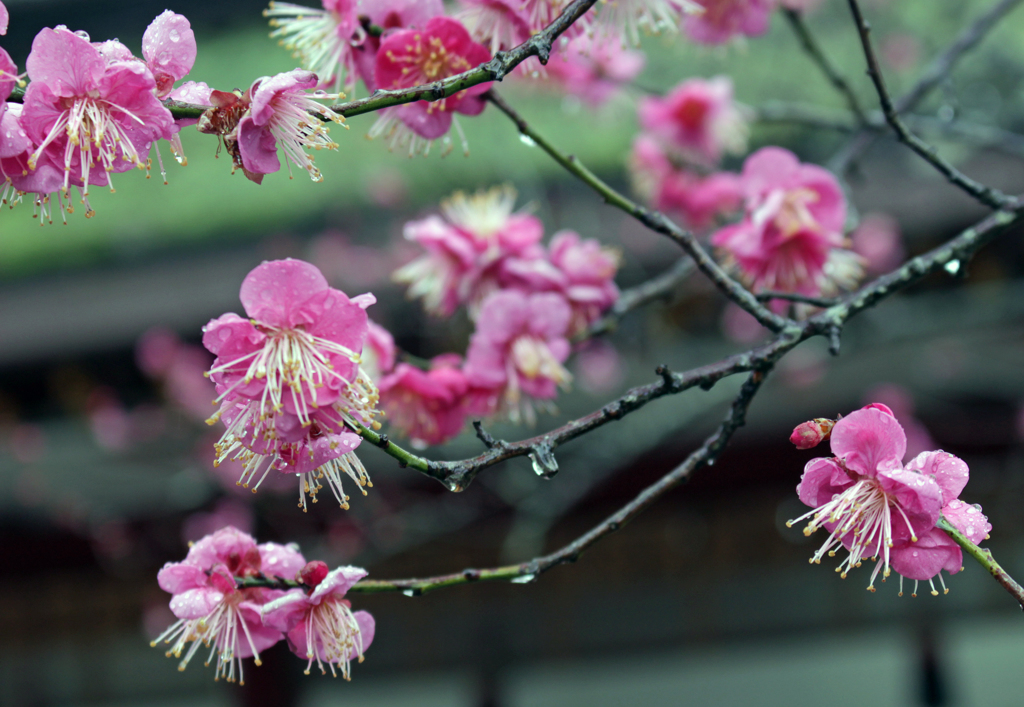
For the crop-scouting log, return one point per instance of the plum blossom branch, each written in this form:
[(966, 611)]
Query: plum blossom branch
[(814, 51), (936, 73), (528, 571), (654, 220), (985, 194), (986, 560), (795, 297)]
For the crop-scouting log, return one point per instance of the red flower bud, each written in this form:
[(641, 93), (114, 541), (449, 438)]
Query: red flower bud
[(812, 433), (313, 573)]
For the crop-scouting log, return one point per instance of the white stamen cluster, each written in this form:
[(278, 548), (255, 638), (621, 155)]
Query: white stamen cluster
[(221, 631), (332, 635), (311, 34)]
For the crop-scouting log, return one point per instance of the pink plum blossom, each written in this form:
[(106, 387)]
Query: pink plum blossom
[(320, 625), (389, 15), (699, 118), (699, 200), (791, 236), (724, 19), (89, 117), (628, 18), (518, 349), (876, 508), (467, 249), (426, 406), (279, 120), (4, 19), (497, 24), (407, 58), (581, 270), (212, 608), (289, 382), (594, 69), (323, 40)]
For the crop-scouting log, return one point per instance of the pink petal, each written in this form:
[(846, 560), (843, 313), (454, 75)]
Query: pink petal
[(4, 18), (949, 471), (338, 582), (367, 628), (195, 603), (169, 45), (285, 612), (66, 63), (258, 147), (177, 577), (822, 479), (918, 495), (280, 560), (549, 315), (263, 637), (869, 441), (276, 291), (934, 551), (968, 519)]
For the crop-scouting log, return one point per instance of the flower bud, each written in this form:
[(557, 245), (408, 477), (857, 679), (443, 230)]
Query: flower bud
[(313, 573), (812, 433)]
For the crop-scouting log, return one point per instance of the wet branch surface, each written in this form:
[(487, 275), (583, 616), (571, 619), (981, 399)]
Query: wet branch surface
[(985, 194)]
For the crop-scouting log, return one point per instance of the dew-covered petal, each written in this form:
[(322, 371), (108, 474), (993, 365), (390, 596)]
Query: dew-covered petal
[(869, 441), (822, 479), (274, 292), (968, 519), (195, 603), (949, 471), (177, 577), (337, 582), (281, 560), (922, 560), (169, 45)]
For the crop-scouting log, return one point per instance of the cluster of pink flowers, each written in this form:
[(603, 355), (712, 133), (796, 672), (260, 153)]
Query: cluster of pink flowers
[(685, 135), (527, 301), (291, 390), (791, 236), (876, 507), (238, 598)]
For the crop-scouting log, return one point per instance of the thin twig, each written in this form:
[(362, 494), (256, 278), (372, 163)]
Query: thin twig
[(936, 73), (802, 299), (985, 559), (658, 287), (810, 45), (985, 194), (654, 220)]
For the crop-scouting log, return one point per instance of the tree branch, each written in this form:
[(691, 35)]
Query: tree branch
[(937, 71), (810, 45), (985, 194), (654, 220), (985, 559), (525, 572)]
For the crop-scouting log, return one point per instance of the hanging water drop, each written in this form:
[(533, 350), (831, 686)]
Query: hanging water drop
[(544, 463), (952, 267), (524, 579), (409, 592), (527, 140)]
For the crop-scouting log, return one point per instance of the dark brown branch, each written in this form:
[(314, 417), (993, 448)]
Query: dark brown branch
[(654, 220), (810, 45), (802, 299), (985, 194), (524, 572), (936, 73)]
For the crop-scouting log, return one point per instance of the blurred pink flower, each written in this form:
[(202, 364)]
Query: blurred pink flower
[(321, 625), (4, 19), (380, 351), (467, 249), (442, 48), (623, 20), (213, 610), (791, 237), (594, 69), (724, 19), (599, 367), (390, 15), (497, 24), (227, 512), (518, 349), (878, 240), (699, 118), (426, 406)]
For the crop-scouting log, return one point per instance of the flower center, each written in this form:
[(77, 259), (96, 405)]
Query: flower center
[(533, 359), (332, 636)]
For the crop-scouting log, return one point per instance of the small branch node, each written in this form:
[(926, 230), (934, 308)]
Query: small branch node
[(383, 441), (487, 438)]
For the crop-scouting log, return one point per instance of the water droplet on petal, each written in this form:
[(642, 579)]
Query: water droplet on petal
[(173, 35)]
